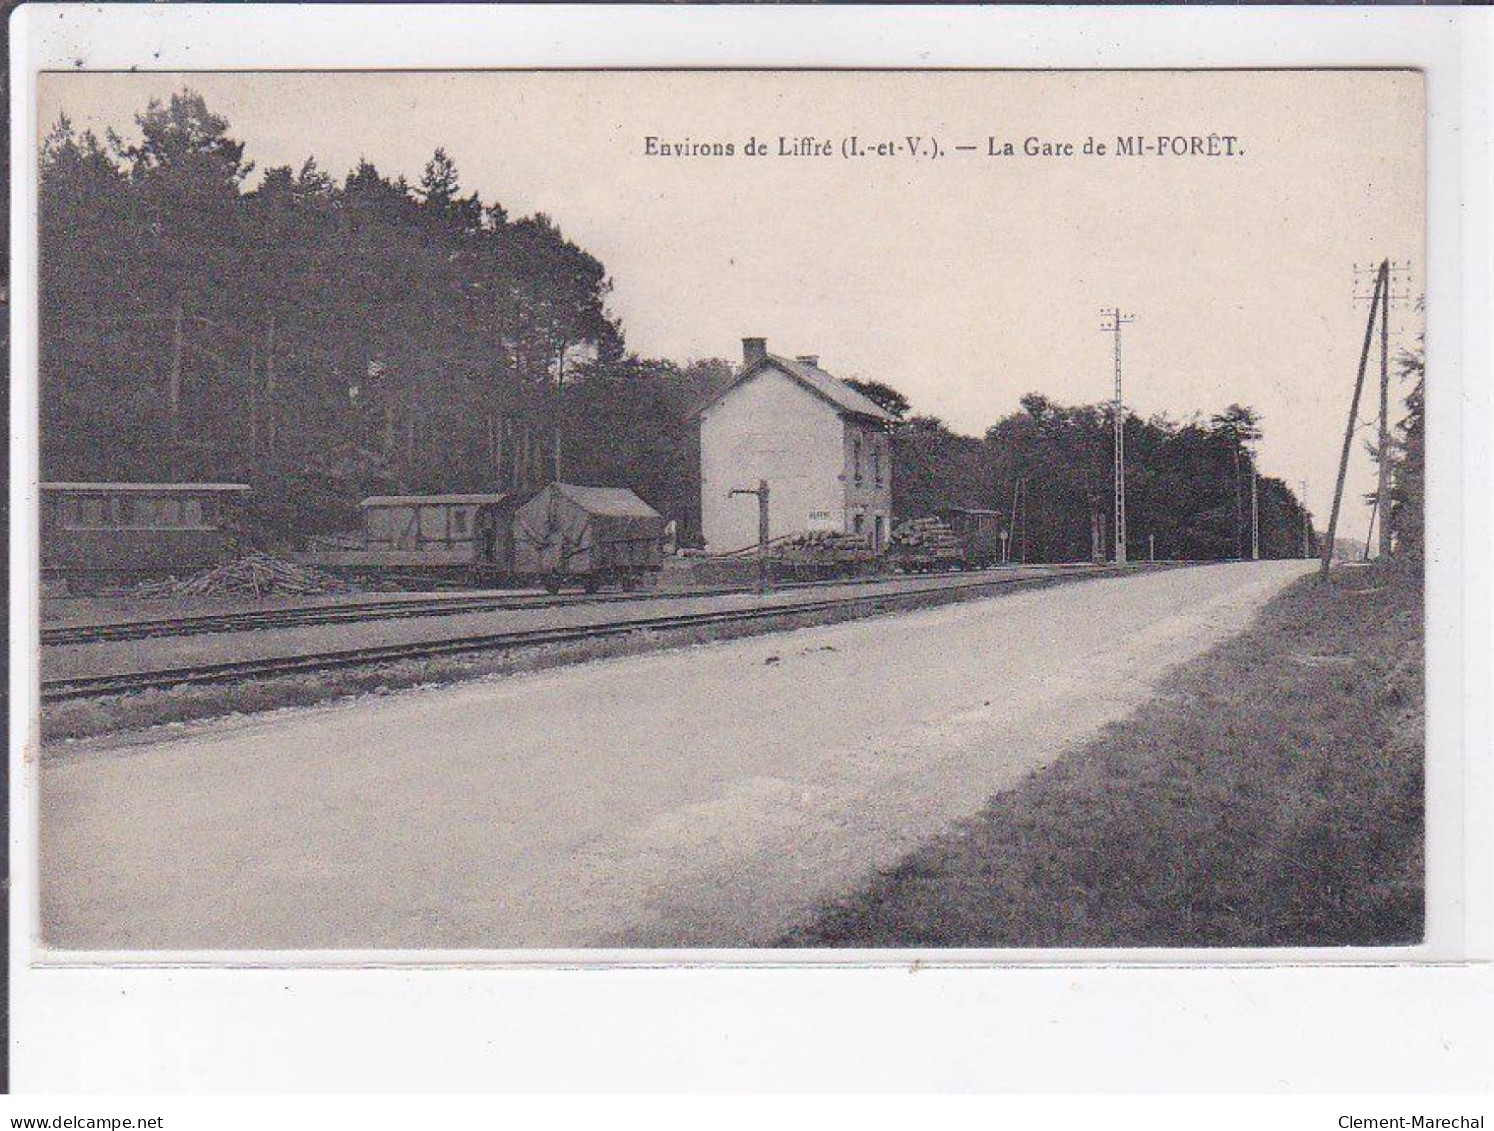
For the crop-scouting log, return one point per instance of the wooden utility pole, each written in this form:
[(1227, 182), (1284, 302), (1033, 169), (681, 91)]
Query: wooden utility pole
[(1018, 548), (1255, 513), (1012, 522), (559, 424), (1382, 491), (174, 379), (1306, 523), (1382, 281), (1394, 274), (270, 409), (253, 397), (1022, 545), (761, 491), (1115, 320)]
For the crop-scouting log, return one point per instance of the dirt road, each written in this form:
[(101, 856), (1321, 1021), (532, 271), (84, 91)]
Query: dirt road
[(708, 796)]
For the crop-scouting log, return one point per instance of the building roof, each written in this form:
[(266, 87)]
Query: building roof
[(614, 502), (432, 500), (152, 488), (832, 390)]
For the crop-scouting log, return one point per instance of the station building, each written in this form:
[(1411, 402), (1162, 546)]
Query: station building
[(824, 450)]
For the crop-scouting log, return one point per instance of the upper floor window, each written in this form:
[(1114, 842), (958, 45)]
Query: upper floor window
[(877, 462), (856, 457)]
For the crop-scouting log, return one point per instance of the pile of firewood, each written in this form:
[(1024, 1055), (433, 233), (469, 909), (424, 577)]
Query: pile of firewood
[(254, 574)]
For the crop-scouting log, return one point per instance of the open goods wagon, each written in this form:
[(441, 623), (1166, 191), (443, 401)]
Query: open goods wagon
[(567, 534)]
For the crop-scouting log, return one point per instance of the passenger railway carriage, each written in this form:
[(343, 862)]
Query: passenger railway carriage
[(124, 531)]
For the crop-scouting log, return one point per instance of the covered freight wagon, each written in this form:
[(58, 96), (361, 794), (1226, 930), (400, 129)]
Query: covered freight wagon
[(566, 533), (429, 529)]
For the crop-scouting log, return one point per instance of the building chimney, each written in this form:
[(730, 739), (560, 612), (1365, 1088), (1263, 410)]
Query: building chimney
[(810, 359), (754, 350)]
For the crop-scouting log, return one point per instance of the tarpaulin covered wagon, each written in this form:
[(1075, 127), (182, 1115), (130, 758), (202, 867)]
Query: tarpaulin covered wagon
[(568, 534)]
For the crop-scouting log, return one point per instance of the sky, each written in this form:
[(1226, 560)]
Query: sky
[(964, 280)]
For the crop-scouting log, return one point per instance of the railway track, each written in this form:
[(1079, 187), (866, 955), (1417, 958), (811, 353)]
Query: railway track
[(353, 612), (125, 683)]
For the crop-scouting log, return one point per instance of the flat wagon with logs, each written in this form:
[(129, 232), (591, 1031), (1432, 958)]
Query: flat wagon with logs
[(815, 555), (951, 538)]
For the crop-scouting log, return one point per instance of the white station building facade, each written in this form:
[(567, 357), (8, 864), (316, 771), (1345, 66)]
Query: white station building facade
[(824, 450)]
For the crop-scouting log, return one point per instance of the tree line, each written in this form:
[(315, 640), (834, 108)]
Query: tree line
[(1049, 469), (325, 339)]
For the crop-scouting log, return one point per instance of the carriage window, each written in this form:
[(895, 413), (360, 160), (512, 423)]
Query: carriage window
[(88, 511), (155, 512), (461, 522), (192, 513)]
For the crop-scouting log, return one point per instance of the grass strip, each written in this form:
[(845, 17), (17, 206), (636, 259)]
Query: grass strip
[(1270, 795)]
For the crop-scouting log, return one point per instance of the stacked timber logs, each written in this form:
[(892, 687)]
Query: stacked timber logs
[(820, 545), (930, 534), (254, 574)]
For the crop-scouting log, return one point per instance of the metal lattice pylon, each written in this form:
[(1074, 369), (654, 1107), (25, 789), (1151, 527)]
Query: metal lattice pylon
[(1114, 321)]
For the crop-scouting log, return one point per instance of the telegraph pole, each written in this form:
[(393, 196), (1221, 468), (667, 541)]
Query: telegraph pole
[(1306, 523), (1369, 533), (1382, 280), (1255, 513), (1114, 321), (1022, 551), (1393, 273), (1382, 489), (1019, 499)]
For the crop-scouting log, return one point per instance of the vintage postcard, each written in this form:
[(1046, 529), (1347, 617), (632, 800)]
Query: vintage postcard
[(784, 511)]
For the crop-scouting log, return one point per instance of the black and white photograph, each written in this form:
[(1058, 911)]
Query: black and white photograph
[(780, 511)]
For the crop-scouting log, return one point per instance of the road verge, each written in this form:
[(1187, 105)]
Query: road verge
[(1270, 795)]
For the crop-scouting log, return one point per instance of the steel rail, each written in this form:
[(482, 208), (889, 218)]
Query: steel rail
[(249, 620), (124, 683)]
